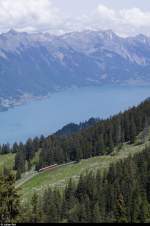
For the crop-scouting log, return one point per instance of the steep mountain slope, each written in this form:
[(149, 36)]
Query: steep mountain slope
[(36, 64)]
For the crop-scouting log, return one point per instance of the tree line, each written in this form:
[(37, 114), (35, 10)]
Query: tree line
[(96, 140)]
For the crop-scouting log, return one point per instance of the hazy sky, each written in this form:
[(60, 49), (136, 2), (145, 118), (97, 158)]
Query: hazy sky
[(125, 17), (76, 7)]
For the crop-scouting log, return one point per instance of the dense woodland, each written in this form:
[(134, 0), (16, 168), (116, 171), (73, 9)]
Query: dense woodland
[(95, 140), (9, 200)]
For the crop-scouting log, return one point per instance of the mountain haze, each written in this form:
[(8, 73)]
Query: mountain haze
[(36, 64)]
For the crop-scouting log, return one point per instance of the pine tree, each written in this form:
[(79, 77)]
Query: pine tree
[(96, 217), (9, 200), (121, 212), (144, 213), (35, 211), (133, 131)]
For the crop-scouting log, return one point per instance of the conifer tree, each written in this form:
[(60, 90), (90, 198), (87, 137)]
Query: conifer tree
[(9, 200), (121, 212)]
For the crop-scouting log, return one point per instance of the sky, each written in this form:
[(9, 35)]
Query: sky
[(75, 7), (125, 17)]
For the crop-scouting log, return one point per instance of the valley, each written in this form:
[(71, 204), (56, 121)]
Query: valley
[(36, 64), (49, 114), (74, 111)]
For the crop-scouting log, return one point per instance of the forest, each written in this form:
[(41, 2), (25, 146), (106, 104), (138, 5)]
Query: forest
[(93, 140), (119, 195)]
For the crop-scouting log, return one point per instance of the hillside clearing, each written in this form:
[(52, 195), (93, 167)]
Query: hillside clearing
[(7, 161), (60, 176)]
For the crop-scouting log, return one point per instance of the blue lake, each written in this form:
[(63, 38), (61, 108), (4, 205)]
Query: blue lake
[(73, 105)]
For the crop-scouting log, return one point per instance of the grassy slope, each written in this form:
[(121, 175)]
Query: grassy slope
[(59, 177), (32, 181), (7, 161)]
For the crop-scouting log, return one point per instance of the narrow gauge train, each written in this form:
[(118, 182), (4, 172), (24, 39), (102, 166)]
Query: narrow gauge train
[(48, 167)]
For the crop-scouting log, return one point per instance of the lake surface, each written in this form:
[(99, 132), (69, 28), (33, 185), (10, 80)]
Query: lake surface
[(73, 105)]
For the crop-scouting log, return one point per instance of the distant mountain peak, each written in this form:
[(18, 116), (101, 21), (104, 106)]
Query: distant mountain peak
[(12, 32), (142, 38), (109, 32), (38, 63)]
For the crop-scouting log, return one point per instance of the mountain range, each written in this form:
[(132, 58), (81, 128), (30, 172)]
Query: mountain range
[(34, 65)]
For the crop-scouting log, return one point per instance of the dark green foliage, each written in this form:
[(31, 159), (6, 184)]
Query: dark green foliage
[(5, 149), (121, 195), (99, 139), (74, 128), (35, 212), (20, 163), (121, 211), (9, 200)]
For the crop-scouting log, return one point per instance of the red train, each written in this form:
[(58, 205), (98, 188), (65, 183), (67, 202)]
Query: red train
[(48, 167)]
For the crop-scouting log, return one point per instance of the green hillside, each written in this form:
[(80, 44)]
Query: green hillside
[(60, 176), (7, 160)]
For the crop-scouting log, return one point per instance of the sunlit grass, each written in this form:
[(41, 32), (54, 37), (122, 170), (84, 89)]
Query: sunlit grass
[(7, 161), (60, 176)]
